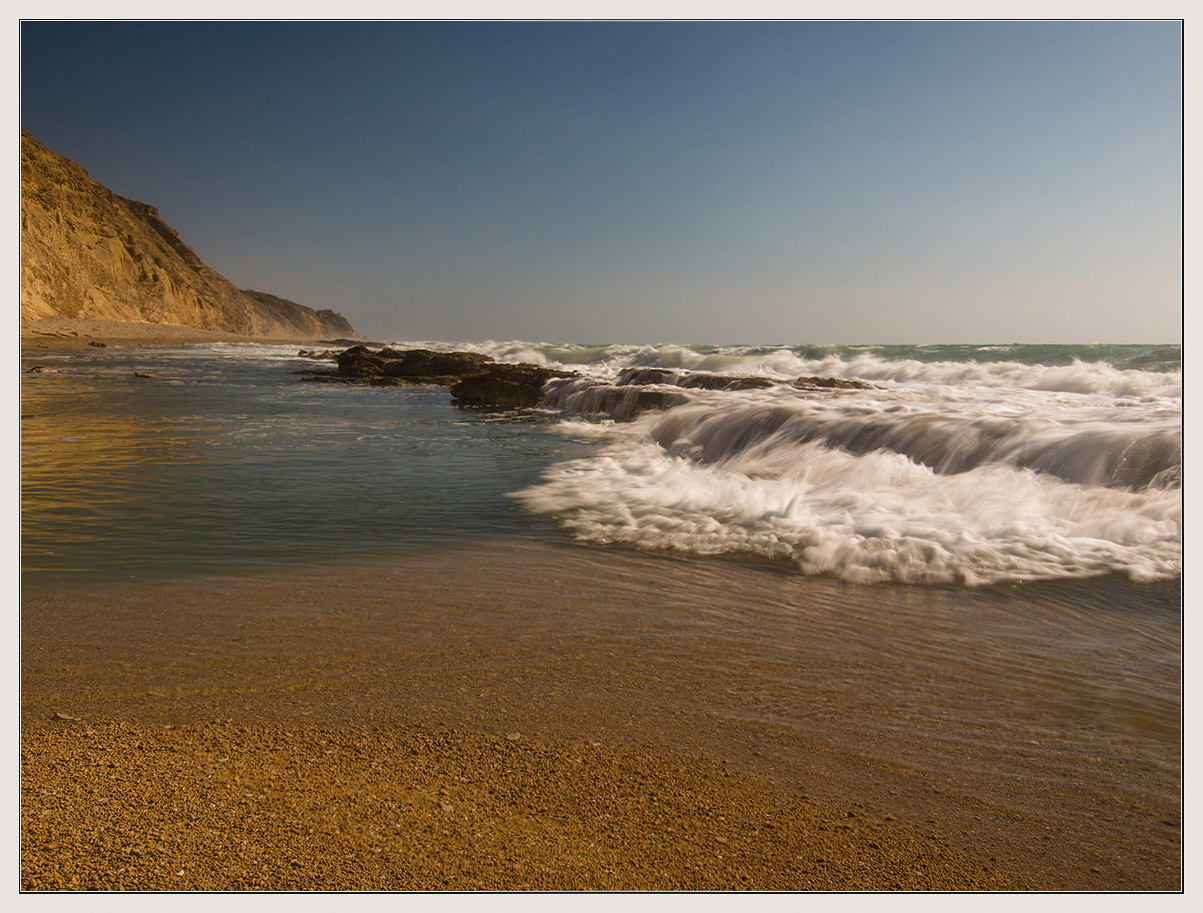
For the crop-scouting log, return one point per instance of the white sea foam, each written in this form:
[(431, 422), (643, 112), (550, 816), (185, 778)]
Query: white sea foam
[(869, 518), (513, 351), (604, 362), (1089, 444), (944, 471), (973, 464)]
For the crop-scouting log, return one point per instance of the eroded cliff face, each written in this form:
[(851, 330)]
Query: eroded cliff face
[(88, 253)]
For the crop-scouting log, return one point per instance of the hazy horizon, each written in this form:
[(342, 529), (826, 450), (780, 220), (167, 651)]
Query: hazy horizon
[(659, 182)]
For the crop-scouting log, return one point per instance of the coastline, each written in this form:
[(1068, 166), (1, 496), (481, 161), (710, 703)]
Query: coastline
[(305, 727), (591, 719), (66, 334)]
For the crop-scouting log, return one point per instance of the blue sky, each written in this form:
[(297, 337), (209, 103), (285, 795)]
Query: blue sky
[(651, 182)]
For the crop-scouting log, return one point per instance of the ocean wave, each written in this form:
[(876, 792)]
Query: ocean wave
[(875, 517), (913, 482), (1110, 447), (1113, 371), (977, 465)]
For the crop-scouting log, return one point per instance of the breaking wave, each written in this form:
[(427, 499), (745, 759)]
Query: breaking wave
[(1113, 371), (942, 471)]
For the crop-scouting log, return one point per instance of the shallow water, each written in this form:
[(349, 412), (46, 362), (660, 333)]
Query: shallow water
[(226, 460), (960, 464)]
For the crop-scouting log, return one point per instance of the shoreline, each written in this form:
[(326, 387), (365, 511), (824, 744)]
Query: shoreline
[(303, 727), (66, 334), (426, 666)]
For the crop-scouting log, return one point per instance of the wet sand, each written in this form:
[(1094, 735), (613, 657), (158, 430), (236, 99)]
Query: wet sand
[(529, 715)]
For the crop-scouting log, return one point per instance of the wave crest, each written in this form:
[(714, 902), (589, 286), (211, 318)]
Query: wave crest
[(874, 518)]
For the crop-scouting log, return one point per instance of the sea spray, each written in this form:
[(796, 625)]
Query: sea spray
[(869, 518), (1078, 368), (1090, 445), (944, 471)]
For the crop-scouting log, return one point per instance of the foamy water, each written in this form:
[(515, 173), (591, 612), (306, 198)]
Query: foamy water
[(956, 464), (992, 467)]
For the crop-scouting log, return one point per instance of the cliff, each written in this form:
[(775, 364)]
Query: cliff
[(88, 253), (288, 313)]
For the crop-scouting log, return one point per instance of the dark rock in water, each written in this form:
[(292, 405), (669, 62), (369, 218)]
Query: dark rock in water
[(829, 383), (702, 381), (431, 367), (494, 391), (653, 400), (726, 382), (475, 379), (585, 396), (423, 363), (360, 362), (500, 384), (692, 381), (643, 376)]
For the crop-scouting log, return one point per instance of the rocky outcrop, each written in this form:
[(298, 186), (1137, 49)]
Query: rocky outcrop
[(700, 380), (478, 380), (639, 390), (474, 379), (692, 380), (503, 385), (417, 366), (829, 383), (87, 253)]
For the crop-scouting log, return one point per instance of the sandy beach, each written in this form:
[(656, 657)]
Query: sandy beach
[(527, 716), (275, 761), (226, 806)]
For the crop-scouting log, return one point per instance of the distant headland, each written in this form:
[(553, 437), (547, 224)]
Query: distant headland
[(93, 259)]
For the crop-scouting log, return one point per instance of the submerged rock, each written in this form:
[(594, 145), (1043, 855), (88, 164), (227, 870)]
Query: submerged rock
[(586, 396), (829, 383), (502, 384), (726, 382), (700, 380)]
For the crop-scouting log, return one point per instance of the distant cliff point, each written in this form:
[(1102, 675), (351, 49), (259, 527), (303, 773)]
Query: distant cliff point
[(88, 253)]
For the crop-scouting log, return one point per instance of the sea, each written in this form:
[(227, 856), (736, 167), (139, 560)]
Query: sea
[(950, 587), (968, 465)]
